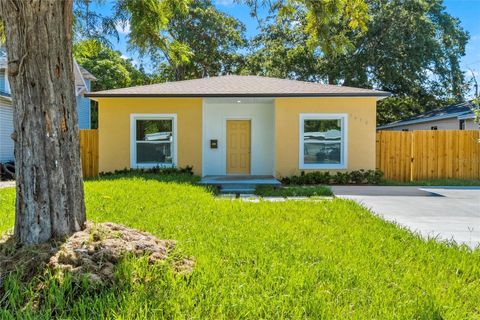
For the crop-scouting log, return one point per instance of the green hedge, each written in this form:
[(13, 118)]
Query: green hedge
[(351, 177)]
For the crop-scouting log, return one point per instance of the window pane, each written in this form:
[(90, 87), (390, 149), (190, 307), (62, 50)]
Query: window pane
[(154, 152), (324, 153), (321, 130), (154, 130), (322, 141)]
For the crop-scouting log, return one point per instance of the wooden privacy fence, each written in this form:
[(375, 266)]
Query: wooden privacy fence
[(89, 152), (427, 155)]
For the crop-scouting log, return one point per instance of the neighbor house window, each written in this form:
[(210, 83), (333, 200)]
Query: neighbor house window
[(323, 141), (462, 124), (433, 128), (153, 140)]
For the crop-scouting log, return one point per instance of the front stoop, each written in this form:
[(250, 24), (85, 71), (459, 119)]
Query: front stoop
[(239, 184)]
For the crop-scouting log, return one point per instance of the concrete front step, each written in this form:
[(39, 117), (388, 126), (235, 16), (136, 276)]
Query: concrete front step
[(239, 184), (235, 191), (237, 188)]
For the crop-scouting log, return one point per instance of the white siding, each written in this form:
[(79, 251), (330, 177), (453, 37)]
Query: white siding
[(260, 112), (471, 125), (445, 124), (6, 129)]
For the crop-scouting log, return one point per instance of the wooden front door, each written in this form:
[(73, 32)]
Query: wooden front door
[(238, 146)]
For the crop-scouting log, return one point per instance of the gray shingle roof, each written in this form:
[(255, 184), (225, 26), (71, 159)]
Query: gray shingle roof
[(238, 86)]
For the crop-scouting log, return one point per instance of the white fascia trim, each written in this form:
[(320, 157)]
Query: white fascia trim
[(133, 149), (344, 142), (79, 73), (469, 115)]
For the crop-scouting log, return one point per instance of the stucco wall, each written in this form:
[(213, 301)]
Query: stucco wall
[(361, 130), (114, 129)]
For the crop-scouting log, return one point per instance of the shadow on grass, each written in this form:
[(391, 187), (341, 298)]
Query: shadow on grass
[(24, 262), (161, 177), (169, 175)]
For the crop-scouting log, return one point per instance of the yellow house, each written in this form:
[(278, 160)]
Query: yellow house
[(238, 125)]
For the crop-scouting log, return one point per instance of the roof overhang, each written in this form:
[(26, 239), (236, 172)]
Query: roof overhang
[(466, 116), (228, 95)]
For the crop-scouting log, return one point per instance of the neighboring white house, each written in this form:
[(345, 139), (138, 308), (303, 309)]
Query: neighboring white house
[(82, 86), (454, 117)]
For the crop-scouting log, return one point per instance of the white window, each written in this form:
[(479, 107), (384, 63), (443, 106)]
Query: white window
[(153, 140), (323, 141)]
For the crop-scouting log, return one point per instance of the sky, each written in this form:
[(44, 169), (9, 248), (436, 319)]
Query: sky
[(468, 11)]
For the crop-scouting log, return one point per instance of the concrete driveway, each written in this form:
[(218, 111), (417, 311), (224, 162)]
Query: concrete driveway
[(447, 213)]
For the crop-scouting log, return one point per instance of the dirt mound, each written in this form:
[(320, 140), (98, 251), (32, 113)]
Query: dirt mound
[(95, 251)]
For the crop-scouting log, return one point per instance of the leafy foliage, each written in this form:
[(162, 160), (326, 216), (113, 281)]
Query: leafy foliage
[(325, 177), (204, 42), (110, 68), (281, 50), (90, 24), (188, 171), (327, 23), (410, 48)]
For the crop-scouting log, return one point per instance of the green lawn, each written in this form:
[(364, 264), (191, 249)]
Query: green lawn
[(327, 259), (293, 191)]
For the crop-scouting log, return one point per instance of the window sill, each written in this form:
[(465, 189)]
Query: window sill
[(152, 165)]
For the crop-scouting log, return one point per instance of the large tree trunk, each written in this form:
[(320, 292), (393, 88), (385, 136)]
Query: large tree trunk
[(49, 201)]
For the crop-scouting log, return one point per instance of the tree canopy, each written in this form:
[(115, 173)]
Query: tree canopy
[(110, 68), (211, 41), (411, 48)]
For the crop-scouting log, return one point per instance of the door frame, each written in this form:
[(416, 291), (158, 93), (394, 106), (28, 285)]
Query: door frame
[(225, 119)]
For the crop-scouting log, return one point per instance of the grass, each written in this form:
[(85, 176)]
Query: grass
[(437, 182), (294, 260), (297, 191)]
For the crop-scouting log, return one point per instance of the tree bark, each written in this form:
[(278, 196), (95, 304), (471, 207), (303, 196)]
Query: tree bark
[(49, 202)]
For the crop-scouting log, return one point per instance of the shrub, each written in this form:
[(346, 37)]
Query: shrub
[(154, 170), (341, 178), (357, 176), (374, 176), (319, 177)]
